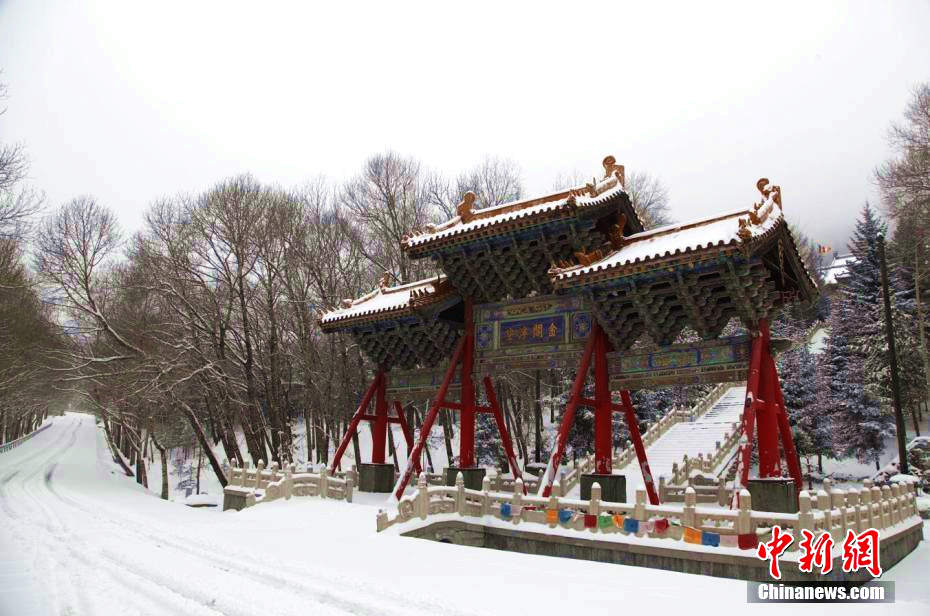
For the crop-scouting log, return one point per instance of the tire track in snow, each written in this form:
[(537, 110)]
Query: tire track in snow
[(327, 591)]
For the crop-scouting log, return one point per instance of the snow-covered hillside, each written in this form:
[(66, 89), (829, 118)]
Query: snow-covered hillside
[(77, 537)]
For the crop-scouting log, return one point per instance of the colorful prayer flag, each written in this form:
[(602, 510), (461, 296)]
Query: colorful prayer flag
[(506, 510), (630, 525), (605, 521), (729, 541), (692, 535), (552, 516), (590, 520), (711, 539), (565, 516), (747, 541), (661, 525)]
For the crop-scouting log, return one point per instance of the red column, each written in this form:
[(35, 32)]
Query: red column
[(603, 411), (749, 410), (767, 418), (379, 426), (467, 423)]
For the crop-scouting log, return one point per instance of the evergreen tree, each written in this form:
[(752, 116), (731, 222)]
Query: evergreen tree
[(860, 426), (489, 450)]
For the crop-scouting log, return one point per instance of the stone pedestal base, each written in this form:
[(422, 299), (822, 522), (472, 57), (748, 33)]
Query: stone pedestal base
[(238, 498), (473, 476), (613, 487), (376, 477), (775, 494)]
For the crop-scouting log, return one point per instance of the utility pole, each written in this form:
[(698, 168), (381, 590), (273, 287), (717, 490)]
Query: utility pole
[(893, 359)]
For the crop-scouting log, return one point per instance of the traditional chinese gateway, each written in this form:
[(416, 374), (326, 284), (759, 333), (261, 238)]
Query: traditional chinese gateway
[(572, 279)]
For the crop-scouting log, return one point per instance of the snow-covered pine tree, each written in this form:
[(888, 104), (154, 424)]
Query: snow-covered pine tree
[(489, 450), (859, 424)]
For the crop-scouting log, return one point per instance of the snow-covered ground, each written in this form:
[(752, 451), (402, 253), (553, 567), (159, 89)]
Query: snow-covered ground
[(77, 537)]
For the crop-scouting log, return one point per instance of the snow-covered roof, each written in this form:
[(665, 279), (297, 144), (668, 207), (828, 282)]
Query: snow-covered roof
[(470, 221), (838, 269), (681, 238), (389, 300)]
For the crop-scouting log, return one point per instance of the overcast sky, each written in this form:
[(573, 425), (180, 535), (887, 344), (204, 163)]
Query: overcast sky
[(130, 103)]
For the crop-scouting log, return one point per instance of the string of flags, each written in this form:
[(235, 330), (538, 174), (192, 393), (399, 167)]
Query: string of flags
[(660, 527)]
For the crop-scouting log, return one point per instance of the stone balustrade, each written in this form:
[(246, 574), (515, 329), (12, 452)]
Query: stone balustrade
[(248, 486), (834, 511)]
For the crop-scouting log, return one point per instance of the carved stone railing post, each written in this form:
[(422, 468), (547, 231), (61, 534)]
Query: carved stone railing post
[(639, 508), (852, 505), (382, 520), (823, 503), (258, 475), (517, 501), (421, 502), (288, 482), (594, 505), (486, 496), (744, 517), (460, 494), (687, 512), (886, 507), (866, 514), (324, 482), (722, 495), (553, 506), (805, 515), (351, 478)]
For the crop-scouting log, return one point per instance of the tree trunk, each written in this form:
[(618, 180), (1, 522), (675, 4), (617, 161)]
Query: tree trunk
[(391, 448), (163, 453), (447, 434), (199, 463), (202, 439), (418, 424), (117, 456), (924, 355)]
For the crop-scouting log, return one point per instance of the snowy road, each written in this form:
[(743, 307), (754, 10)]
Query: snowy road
[(76, 538)]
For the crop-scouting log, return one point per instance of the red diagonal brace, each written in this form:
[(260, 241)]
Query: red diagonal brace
[(632, 424), (429, 420), (357, 417), (405, 428), (545, 486), (502, 428)]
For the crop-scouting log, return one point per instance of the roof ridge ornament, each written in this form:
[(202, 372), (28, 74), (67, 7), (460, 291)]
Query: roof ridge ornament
[(611, 168), (760, 212), (466, 209)]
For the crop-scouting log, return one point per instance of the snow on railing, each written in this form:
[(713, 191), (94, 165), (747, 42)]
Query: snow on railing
[(707, 464), (261, 486), (16, 443), (834, 511), (625, 456)]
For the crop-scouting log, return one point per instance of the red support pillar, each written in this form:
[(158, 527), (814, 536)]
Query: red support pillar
[(379, 426), (749, 409), (468, 411), (767, 423), (603, 411)]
